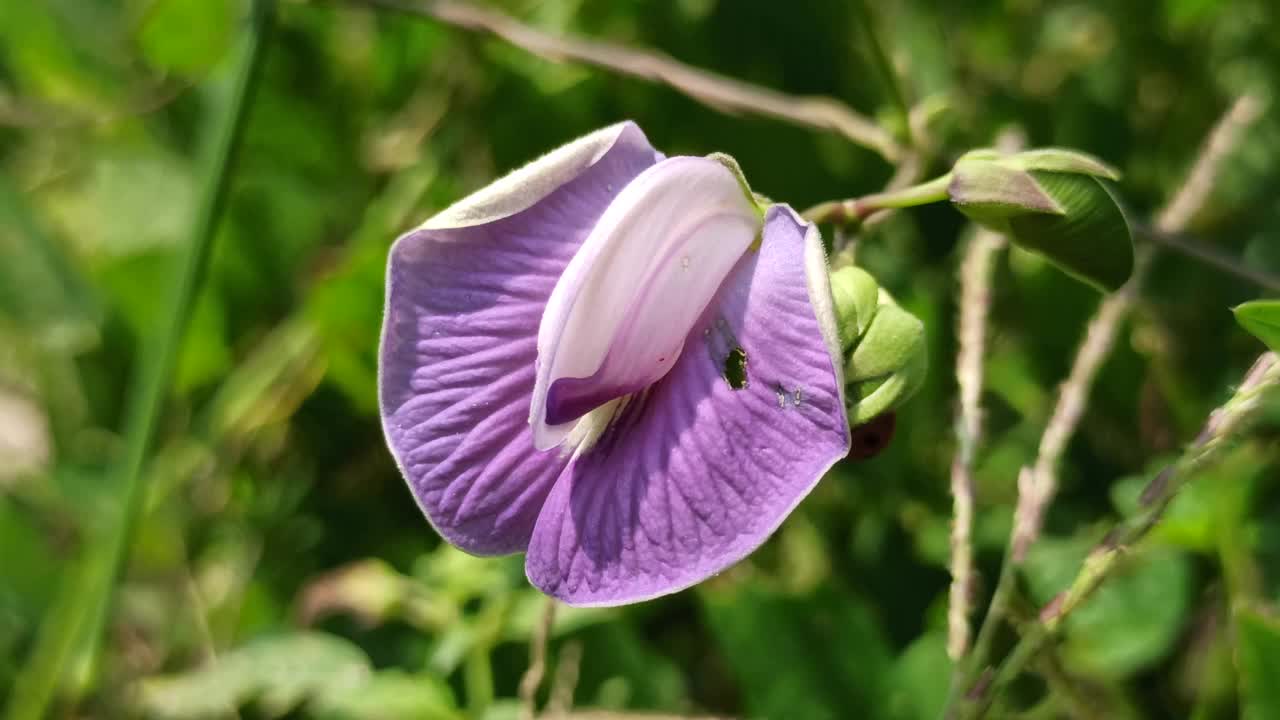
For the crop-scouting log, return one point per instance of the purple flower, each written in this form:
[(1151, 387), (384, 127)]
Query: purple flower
[(622, 364)]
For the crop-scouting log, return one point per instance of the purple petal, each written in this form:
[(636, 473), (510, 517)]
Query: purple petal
[(465, 294), (694, 474), (620, 314)]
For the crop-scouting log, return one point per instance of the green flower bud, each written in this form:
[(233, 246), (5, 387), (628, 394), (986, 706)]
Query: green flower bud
[(883, 346), (1052, 201)]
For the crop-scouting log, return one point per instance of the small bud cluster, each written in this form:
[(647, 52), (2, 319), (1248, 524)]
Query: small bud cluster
[(883, 346)]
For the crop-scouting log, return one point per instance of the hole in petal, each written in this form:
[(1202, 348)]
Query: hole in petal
[(735, 368)]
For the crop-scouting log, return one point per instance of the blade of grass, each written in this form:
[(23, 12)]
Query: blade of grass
[(77, 616)]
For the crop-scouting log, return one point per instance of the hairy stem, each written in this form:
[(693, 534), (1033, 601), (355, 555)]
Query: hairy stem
[(1221, 431), (975, 303), (722, 93), (1101, 335), (1037, 484)]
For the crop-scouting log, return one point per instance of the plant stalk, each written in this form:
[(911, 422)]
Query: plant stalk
[(78, 615)]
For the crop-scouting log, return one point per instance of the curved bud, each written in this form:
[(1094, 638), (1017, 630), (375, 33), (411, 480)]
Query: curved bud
[(856, 295), (990, 193), (1052, 201), (883, 345)]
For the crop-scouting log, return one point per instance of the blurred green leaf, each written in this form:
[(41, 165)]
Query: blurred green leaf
[(921, 678), (38, 54), (391, 695), (167, 39), (1262, 318), (1131, 621), (276, 673), (40, 288), (1258, 658), (108, 204)]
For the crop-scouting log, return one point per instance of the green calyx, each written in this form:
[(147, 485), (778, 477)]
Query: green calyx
[(882, 344), (760, 202)]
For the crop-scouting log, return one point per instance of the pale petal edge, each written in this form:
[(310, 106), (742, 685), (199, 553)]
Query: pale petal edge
[(818, 275), (524, 187)]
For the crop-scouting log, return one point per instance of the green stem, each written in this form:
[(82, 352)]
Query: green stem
[(855, 210), (80, 611)]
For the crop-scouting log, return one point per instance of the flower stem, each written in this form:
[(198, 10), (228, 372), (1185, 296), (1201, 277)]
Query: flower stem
[(855, 210), (78, 614)]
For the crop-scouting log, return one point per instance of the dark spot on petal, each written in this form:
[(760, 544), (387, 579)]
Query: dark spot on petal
[(871, 438), (735, 368)]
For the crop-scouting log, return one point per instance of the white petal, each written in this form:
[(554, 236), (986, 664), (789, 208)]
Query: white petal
[(618, 317)]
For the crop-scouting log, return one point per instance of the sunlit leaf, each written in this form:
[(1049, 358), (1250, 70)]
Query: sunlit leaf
[(1262, 318)]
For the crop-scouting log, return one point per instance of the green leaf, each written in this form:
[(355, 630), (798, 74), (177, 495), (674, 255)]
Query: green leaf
[(856, 294), (278, 673), (41, 287), (392, 695), (1262, 318), (1131, 621), (1091, 240), (1258, 659), (920, 679), (167, 40)]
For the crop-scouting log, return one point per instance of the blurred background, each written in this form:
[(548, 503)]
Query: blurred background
[(280, 566)]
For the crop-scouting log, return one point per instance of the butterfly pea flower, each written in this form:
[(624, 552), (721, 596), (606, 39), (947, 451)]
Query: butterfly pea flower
[(623, 364)]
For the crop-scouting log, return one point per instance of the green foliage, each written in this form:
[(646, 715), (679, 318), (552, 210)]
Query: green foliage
[(1131, 622), (1259, 661), (1262, 318), (884, 345), (831, 646), (329, 675), (278, 674)]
